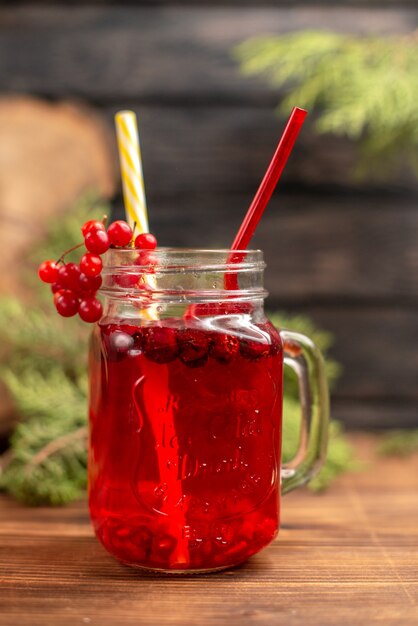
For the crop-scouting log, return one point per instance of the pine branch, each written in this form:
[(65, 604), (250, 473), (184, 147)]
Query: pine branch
[(43, 364), (399, 443), (361, 87), (40, 336), (65, 233), (323, 339), (55, 446), (52, 474), (340, 459), (47, 395), (340, 455)]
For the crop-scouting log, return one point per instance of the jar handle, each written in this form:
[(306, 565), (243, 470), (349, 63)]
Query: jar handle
[(305, 359)]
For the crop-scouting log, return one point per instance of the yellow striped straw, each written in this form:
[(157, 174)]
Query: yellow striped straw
[(131, 170), (133, 181)]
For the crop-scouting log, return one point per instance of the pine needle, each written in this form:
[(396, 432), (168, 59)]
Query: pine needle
[(43, 364), (399, 443), (362, 87)]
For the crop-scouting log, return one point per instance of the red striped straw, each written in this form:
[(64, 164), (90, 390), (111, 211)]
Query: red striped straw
[(265, 190), (270, 180)]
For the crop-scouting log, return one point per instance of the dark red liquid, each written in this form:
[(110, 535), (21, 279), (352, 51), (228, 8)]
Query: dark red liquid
[(185, 440)]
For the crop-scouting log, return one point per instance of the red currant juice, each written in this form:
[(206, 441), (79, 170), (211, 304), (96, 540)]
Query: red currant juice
[(185, 436)]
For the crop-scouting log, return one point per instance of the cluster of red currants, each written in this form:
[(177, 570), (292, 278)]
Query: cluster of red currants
[(75, 286)]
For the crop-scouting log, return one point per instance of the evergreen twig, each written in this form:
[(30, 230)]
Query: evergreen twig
[(399, 443), (55, 446), (362, 87)]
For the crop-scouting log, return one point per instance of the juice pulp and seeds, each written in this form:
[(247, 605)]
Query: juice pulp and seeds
[(185, 419)]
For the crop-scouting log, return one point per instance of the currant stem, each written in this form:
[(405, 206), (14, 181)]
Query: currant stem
[(104, 220), (61, 258), (132, 244)]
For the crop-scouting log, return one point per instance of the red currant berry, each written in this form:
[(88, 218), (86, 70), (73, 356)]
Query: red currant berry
[(62, 276), (146, 258), (66, 303), (145, 241), (253, 350), (59, 293), (92, 225), (55, 287), (126, 280), (91, 264), (160, 344), (48, 271), (224, 347), (163, 545), (120, 233), (193, 346), (89, 284), (90, 310), (68, 276), (97, 241), (121, 341), (142, 537)]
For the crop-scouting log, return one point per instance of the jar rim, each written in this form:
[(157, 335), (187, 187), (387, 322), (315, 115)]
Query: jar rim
[(188, 250), (183, 273), (169, 259)]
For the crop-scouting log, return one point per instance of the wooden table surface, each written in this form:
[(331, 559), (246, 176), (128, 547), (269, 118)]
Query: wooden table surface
[(347, 557)]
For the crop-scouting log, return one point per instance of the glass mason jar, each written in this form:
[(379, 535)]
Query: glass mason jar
[(186, 389)]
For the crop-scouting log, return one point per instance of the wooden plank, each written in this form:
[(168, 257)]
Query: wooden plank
[(220, 3), (318, 247), (376, 346), (226, 149), (375, 414), (351, 552), (157, 53)]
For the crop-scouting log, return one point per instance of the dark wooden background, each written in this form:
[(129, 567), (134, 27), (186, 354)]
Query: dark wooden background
[(342, 251)]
